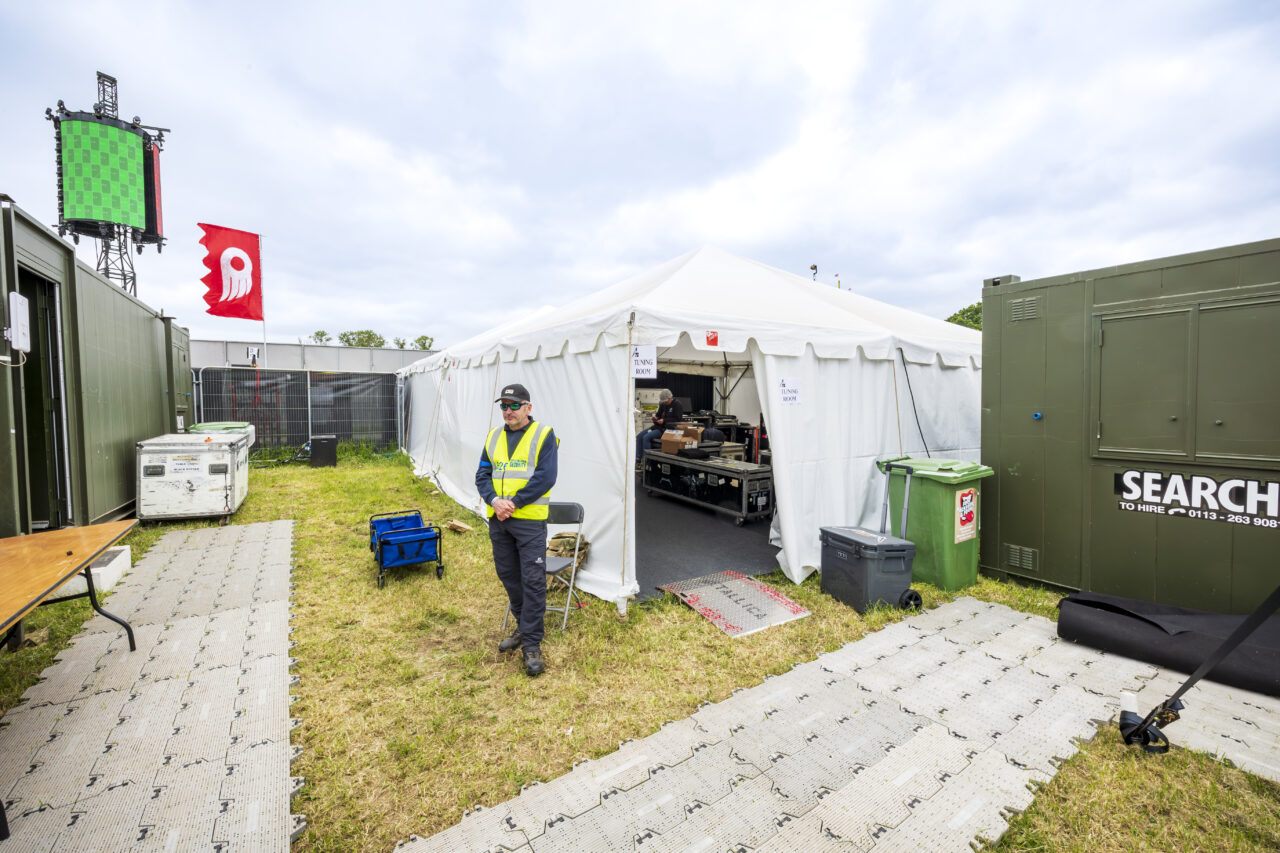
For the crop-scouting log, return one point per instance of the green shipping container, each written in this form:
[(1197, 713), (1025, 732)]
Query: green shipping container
[(943, 517), (1130, 414), (105, 371)]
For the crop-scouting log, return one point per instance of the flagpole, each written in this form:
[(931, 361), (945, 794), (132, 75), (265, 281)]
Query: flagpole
[(264, 307)]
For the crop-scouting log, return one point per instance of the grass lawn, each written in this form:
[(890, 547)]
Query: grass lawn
[(410, 715)]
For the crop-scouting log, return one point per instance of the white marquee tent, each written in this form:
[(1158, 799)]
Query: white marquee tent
[(866, 381)]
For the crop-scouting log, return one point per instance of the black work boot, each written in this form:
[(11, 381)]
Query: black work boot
[(533, 660), (515, 641)]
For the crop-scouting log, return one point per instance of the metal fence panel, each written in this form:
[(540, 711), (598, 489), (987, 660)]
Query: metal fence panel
[(287, 407), (355, 407)]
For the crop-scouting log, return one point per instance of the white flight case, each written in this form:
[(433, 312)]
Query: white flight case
[(192, 475)]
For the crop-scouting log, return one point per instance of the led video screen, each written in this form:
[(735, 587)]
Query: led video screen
[(102, 174)]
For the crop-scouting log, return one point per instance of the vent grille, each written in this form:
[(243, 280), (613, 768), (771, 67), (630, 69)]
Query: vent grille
[(1019, 557), (1027, 308)]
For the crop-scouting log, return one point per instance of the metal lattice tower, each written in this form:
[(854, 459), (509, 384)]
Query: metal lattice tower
[(115, 260), (108, 104)]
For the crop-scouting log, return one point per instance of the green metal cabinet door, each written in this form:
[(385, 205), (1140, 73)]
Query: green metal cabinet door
[(1143, 374), (179, 376), (1020, 466), (1238, 412), (1064, 414)]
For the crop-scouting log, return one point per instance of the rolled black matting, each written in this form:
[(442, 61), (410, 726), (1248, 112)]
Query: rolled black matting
[(1173, 637)]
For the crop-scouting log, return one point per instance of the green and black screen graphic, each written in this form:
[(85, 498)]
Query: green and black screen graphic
[(102, 174)]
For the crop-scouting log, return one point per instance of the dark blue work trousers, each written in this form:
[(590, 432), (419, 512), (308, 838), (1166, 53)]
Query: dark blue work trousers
[(520, 556), (644, 441)]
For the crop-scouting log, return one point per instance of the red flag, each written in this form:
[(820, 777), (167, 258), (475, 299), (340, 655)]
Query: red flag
[(235, 272)]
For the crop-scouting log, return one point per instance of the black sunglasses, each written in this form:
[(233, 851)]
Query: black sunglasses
[(509, 407)]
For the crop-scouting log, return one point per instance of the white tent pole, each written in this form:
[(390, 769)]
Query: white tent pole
[(897, 411), (627, 475)]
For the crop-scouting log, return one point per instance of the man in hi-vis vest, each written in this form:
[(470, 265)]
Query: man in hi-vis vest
[(517, 471)]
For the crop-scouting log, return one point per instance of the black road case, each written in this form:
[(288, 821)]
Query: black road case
[(740, 489)]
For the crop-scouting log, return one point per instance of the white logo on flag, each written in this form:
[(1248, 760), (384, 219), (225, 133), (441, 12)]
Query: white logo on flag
[(236, 282)]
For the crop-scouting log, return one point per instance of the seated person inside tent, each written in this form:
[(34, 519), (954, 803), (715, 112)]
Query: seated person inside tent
[(669, 414)]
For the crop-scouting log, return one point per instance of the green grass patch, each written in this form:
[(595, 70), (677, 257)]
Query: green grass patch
[(410, 715), (19, 670), (348, 451), (1115, 797)]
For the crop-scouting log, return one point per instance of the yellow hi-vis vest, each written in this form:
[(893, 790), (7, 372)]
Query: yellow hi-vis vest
[(511, 473)]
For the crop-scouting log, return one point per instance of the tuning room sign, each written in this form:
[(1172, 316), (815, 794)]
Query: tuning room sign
[(644, 362)]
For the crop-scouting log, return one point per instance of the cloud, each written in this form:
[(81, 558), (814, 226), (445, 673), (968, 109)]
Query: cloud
[(1050, 156), (432, 169)]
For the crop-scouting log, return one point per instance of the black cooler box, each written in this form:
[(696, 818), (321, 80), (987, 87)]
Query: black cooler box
[(863, 568)]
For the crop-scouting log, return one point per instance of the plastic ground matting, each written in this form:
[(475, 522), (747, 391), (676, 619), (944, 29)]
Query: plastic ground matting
[(184, 743), (735, 603), (926, 735)]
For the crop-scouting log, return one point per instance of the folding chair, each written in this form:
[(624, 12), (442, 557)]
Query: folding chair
[(563, 513)]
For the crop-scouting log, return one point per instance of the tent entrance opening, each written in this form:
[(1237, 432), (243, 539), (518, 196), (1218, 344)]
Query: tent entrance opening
[(688, 514)]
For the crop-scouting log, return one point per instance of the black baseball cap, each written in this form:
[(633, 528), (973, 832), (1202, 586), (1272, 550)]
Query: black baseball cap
[(515, 393)]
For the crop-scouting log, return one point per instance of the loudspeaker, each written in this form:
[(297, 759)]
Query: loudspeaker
[(324, 451)]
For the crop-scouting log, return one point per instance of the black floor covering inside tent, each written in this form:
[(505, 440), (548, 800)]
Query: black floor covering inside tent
[(1173, 637), (676, 541)]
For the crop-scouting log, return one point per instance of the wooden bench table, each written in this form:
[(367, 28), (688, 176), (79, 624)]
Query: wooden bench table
[(34, 567)]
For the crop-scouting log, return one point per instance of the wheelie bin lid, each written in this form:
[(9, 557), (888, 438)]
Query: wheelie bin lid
[(220, 426), (939, 470)]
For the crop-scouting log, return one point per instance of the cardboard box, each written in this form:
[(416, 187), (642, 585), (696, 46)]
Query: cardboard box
[(694, 432), (673, 440)]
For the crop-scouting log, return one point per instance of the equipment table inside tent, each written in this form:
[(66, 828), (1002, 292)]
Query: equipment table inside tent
[(743, 490)]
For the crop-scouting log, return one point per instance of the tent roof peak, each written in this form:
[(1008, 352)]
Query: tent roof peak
[(715, 296)]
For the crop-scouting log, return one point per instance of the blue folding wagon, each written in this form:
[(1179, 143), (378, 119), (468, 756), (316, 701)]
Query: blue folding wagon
[(402, 539)]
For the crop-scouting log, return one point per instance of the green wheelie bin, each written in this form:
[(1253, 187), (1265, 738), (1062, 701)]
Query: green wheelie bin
[(943, 521), (226, 426)]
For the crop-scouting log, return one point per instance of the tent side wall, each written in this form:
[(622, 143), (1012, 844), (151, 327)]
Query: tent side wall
[(584, 397), (836, 418)]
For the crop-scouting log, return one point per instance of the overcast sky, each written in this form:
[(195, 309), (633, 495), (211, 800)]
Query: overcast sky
[(435, 168)]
